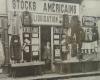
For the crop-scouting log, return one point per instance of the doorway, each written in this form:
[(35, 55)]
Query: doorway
[(46, 45), (45, 37)]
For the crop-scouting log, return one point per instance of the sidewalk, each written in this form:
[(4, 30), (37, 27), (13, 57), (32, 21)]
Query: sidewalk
[(51, 76)]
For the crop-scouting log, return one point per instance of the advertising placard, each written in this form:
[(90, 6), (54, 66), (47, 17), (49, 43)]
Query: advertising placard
[(42, 12), (39, 6), (46, 19), (89, 21)]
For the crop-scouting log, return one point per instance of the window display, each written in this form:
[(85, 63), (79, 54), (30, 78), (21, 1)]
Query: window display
[(35, 43), (57, 42), (27, 48), (31, 44)]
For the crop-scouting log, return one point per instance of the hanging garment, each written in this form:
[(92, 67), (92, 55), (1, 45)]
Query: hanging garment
[(15, 48), (95, 34), (80, 37), (47, 57), (15, 27), (74, 49), (2, 57)]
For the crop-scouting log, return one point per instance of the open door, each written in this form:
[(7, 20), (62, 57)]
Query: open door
[(46, 45)]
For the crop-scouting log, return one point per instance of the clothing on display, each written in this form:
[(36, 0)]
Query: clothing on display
[(2, 56), (15, 48)]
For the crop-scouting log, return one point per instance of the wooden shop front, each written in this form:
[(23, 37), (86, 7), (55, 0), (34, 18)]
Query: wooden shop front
[(36, 25)]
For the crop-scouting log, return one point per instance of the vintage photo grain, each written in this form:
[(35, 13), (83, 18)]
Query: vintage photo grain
[(49, 40)]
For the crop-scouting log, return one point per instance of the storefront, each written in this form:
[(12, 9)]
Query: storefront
[(42, 32), (39, 30)]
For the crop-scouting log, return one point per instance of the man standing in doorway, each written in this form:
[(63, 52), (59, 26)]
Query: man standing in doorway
[(47, 56)]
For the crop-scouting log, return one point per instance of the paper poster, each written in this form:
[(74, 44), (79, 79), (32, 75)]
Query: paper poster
[(56, 36), (64, 48), (57, 52), (56, 42), (35, 40), (27, 41), (26, 35), (35, 48), (35, 53), (35, 35), (26, 49)]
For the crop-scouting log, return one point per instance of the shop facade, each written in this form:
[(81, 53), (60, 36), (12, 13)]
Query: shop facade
[(42, 29), (33, 24)]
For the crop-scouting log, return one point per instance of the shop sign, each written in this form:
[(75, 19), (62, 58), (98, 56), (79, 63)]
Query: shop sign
[(39, 6), (89, 21), (46, 19)]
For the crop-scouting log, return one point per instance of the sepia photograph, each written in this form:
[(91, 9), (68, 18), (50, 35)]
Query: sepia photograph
[(49, 40)]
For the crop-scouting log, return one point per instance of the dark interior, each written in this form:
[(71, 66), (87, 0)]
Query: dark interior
[(45, 37)]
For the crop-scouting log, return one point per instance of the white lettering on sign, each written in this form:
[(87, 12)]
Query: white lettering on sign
[(89, 21), (59, 8), (42, 19), (22, 4), (39, 6)]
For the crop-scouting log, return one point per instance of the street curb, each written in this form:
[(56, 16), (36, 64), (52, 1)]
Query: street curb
[(60, 76)]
